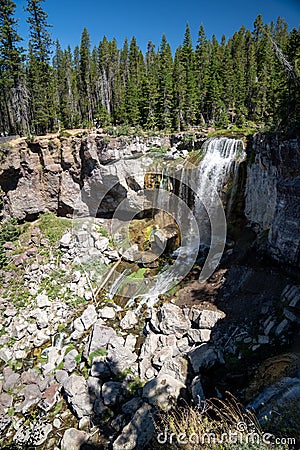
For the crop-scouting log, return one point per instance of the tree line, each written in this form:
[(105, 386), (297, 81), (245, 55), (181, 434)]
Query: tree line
[(251, 77)]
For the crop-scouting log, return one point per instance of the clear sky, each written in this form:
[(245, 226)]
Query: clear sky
[(149, 20)]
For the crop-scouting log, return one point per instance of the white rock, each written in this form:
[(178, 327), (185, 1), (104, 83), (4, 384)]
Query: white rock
[(42, 300), (66, 239), (40, 338), (107, 312), (56, 423), (163, 391), (102, 244), (88, 295), (78, 325), (138, 433), (89, 317), (128, 321)]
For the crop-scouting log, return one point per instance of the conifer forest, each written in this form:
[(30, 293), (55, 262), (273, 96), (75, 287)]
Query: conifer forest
[(250, 77)]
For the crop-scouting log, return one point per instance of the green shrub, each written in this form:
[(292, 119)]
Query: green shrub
[(9, 232), (53, 227)]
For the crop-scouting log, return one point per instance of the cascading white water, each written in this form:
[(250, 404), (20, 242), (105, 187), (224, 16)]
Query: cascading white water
[(221, 156), (218, 166)]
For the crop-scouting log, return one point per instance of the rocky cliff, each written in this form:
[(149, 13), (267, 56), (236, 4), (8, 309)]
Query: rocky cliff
[(273, 194), (95, 173), (58, 173)]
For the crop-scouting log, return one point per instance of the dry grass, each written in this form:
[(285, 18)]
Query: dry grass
[(213, 424)]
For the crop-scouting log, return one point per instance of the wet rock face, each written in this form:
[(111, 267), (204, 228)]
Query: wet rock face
[(273, 193)]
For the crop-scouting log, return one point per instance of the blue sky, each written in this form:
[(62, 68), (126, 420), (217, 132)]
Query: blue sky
[(149, 20)]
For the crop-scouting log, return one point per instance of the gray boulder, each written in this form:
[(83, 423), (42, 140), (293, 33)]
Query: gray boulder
[(172, 320), (78, 395), (73, 439), (204, 357), (138, 433), (163, 391), (111, 393)]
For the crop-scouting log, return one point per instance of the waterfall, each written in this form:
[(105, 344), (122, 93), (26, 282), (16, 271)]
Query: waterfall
[(219, 164), (218, 168)]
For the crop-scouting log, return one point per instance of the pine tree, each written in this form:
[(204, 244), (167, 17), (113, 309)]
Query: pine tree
[(84, 79), (227, 113), (40, 74), (250, 75), (290, 107), (202, 74), (189, 79), (239, 62), (178, 91), (13, 91), (165, 84), (136, 67), (149, 110), (213, 101), (120, 86), (64, 88), (264, 64)]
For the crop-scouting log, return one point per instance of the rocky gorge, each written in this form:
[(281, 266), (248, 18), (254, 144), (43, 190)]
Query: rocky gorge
[(81, 368)]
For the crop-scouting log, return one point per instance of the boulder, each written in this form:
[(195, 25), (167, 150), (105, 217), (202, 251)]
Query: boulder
[(108, 312), (138, 433), (120, 358), (78, 396), (129, 320), (74, 439), (208, 319), (163, 391), (172, 320), (111, 393), (43, 301), (176, 367), (89, 317), (99, 338), (204, 357), (195, 336)]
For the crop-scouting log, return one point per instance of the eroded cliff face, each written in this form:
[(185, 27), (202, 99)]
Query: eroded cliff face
[(272, 198), (62, 174)]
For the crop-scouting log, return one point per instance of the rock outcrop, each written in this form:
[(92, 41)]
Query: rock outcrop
[(92, 173), (273, 192)]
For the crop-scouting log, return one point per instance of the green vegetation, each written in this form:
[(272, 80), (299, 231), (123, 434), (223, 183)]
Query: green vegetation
[(9, 232), (53, 227), (138, 274), (95, 353), (251, 77)]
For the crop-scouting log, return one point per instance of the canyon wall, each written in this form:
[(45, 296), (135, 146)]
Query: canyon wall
[(272, 197), (61, 174)]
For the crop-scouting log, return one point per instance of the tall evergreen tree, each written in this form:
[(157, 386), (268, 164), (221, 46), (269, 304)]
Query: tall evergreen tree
[(202, 62), (178, 90), (189, 79), (150, 89), (136, 68), (13, 91), (165, 84), (84, 80), (40, 74)]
